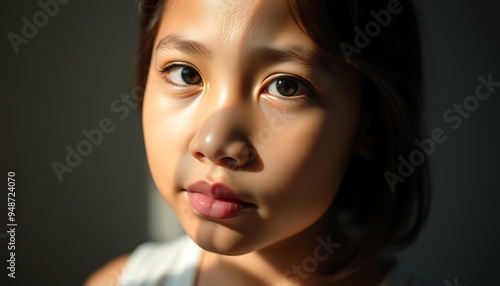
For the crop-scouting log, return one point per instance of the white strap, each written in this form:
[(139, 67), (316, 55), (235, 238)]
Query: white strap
[(162, 264)]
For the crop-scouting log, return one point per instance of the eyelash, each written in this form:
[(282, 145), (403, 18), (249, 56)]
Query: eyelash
[(171, 65), (309, 89)]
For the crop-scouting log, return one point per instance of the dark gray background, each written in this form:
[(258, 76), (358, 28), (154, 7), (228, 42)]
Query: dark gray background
[(65, 79)]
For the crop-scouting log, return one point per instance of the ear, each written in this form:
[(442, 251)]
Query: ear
[(364, 145)]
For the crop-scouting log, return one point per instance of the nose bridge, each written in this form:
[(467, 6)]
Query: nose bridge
[(228, 101), (224, 123), (226, 94), (222, 133)]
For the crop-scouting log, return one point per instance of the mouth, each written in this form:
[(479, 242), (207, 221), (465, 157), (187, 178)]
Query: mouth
[(216, 201)]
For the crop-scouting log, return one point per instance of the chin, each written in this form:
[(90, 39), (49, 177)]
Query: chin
[(220, 239)]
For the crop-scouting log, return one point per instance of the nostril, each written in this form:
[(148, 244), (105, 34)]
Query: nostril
[(230, 163), (199, 155)]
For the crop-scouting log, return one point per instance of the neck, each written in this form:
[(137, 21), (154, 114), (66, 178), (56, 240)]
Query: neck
[(252, 270), (314, 256)]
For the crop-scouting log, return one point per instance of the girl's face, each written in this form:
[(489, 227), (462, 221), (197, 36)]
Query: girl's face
[(249, 126)]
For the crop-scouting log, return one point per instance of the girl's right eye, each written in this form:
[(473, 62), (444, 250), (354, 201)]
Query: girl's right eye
[(182, 75)]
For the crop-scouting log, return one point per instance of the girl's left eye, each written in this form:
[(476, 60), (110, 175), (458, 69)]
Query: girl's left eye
[(286, 87), (182, 75)]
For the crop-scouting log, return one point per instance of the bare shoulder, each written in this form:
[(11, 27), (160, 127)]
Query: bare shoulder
[(108, 274)]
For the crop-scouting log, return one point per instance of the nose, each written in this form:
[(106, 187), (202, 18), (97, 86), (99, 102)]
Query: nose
[(222, 139)]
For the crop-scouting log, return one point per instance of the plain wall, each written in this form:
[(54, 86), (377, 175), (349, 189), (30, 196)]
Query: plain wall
[(61, 82), (461, 238), (66, 77)]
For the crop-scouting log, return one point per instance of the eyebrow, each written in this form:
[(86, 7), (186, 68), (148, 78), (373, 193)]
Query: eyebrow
[(176, 42), (289, 53), (296, 54)]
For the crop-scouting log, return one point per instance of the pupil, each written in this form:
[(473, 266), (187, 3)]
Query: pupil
[(190, 76), (287, 87)]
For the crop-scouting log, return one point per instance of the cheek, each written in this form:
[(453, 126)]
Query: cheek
[(164, 130), (305, 164)]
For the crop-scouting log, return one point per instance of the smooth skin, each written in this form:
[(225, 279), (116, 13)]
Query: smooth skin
[(237, 93)]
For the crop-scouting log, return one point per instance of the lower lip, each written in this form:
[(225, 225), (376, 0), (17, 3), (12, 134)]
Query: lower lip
[(215, 208)]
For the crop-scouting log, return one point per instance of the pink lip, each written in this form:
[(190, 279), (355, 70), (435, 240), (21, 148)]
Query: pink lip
[(216, 201)]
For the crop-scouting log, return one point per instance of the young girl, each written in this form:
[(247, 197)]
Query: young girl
[(275, 131)]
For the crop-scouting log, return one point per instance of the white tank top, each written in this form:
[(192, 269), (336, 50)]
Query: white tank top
[(174, 263)]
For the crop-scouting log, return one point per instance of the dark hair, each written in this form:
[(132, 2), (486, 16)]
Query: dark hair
[(369, 211)]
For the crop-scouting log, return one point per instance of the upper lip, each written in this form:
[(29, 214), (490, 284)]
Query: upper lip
[(215, 190)]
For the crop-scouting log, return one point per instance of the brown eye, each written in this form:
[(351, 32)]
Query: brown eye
[(183, 75), (286, 87), (190, 76)]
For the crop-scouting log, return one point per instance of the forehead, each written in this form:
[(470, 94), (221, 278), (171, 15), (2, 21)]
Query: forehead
[(232, 23)]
